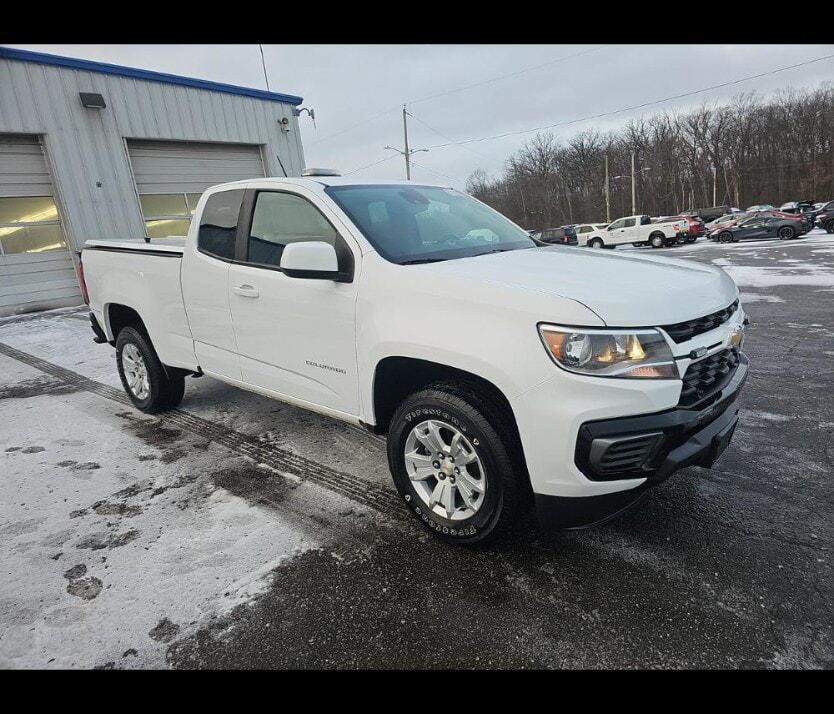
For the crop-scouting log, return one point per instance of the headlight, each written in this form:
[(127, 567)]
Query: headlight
[(635, 354)]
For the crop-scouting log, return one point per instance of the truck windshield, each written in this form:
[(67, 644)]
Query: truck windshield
[(416, 224)]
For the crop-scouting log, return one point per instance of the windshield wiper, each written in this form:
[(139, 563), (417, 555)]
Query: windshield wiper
[(417, 261), (496, 250)]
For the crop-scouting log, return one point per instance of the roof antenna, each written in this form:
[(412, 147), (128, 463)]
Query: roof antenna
[(263, 64)]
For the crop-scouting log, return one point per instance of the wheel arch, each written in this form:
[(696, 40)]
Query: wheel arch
[(396, 376), (118, 316)]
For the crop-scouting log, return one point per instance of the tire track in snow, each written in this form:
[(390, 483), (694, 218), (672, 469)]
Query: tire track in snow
[(381, 500)]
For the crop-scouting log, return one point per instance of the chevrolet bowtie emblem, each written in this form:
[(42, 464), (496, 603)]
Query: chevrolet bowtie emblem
[(700, 352)]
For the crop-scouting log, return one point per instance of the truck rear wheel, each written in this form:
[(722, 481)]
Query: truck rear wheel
[(456, 468), (142, 374), (596, 243), (657, 240)]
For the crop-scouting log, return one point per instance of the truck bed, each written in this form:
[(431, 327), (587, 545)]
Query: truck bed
[(146, 278)]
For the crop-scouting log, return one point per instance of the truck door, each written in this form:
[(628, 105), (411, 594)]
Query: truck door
[(295, 336), (205, 274)]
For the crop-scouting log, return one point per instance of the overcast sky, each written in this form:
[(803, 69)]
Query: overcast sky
[(357, 90)]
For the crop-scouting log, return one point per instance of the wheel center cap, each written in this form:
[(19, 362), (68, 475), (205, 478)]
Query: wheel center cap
[(447, 468)]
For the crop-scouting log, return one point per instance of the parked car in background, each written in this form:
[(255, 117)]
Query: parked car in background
[(806, 209), (693, 229), (727, 219), (761, 226), (708, 214), (564, 235), (639, 230), (825, 217), (586, 232), (762, 207)]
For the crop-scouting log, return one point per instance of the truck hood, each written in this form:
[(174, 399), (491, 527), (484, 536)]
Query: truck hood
[(623, 290)]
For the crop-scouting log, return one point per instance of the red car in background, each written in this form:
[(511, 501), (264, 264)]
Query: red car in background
[(696, 227)]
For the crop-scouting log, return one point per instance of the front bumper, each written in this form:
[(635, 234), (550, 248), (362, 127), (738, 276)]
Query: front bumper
[(653, 446)]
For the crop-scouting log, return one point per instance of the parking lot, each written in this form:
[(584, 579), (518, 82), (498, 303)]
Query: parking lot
[(242, 532)]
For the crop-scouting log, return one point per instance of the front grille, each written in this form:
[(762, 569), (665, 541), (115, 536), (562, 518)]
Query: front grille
[(706, 377), (683, 331)]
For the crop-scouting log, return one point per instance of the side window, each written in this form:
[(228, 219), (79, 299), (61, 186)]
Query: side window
[(283, 218), (628, 223), (617, 224), (583, 229), (218, 224)]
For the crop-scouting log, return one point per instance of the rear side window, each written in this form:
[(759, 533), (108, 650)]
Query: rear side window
[(218, 224), (283, 218)]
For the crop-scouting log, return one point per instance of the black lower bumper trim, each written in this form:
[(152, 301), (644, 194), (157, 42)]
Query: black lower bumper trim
[(575, 513)]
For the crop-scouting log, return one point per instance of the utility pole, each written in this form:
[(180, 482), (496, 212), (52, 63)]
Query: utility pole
[(408, 152), (633, 188), (263, 64), (607, 194), (405, 141)]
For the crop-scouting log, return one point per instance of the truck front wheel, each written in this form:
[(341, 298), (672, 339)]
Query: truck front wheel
[(454, 463), (142, 374)]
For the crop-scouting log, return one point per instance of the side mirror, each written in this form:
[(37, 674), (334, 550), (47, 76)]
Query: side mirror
[(315, 260)]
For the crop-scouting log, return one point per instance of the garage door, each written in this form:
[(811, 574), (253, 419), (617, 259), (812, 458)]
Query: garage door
[(36, 270), (171, 175)]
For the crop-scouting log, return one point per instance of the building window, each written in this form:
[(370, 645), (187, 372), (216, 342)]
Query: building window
[(168, 214), (30, 224)]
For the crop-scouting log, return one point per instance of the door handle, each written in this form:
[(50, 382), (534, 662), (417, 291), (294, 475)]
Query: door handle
[(246, 291)]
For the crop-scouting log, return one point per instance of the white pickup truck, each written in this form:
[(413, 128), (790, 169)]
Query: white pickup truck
[(504, 374), (636, 230)]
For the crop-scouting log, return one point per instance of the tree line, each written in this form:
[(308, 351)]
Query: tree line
[(749, 151)]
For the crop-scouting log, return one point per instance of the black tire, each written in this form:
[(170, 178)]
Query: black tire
[(725, 237), (489, 429), (829, 226), (657, 240), (691, 239), (596, 243), (638, 245), (786, 233), (163, 393)]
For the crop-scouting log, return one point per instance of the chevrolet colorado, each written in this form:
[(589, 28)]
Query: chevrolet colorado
[(505, 375)]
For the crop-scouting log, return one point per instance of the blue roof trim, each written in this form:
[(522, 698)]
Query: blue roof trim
[(145, 74)]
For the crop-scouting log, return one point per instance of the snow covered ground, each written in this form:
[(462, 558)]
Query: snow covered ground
[(241, 532)]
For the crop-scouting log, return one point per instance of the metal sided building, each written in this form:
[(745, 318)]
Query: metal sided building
[(93, 150)]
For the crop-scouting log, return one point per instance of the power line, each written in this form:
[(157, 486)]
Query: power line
[(524, 70), (458, 181), (382, 113), (362, 168), (626, 109), (440, 133)]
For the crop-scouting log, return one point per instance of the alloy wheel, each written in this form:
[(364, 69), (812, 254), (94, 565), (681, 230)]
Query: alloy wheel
[(136, 371), (445, 469)]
